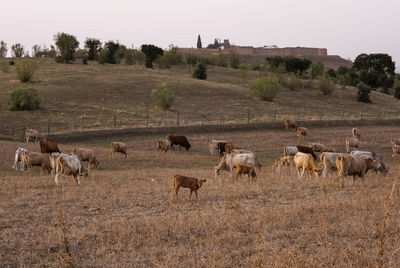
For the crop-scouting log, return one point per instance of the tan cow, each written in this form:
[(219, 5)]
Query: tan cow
[(349, 165), (352, 144), (395, 150), (290, 124), (356, 133), (187, 182), (86, 155), (245, 169), (118, 147), (302, 132), (395, 141), (30, 159), (305, 162), (317, 147), (32, 134), (70, 165), (163, 145), (282, 162)]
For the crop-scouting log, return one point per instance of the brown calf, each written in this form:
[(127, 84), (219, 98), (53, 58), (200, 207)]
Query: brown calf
[(245, 169), (118, 147), (187, 182)]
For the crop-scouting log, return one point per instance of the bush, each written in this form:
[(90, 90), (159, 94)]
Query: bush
[(234, 60), (331, 73), (266, 88), (81, 54), (325, 85), (317, 69), (363, 92), (191, 59), (4, 66), (200, 72), (293, 83), (397, 93), (129, 56), (163, 96), (25, 69), (24, 99), (222, 61), (242, 72), (139, 57), (169, 58), (103, 56)]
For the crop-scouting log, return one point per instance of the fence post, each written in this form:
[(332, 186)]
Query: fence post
[(115, 121), (177, 118), (23, 133), (147, 118), (212, 118), (48, 128), (274, 115), (248, 116), (320, 116), (12, 132), (81, 123), (220, 119), (362, 115)]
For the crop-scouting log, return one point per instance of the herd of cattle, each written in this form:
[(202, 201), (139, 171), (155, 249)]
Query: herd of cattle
[(233, 158)]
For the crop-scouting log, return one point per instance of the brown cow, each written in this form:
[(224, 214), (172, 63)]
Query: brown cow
[(306, 150), (230, 146), (356, 133), (187, 182), (118, 147), (48, 147), (163, 145), (290, 124), (302, 132), (221, 148), (349, 165), (182, 141), (86, 155), (245, 169), (30, 159)]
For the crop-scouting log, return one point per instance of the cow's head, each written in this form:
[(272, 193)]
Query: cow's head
[(200, 182)]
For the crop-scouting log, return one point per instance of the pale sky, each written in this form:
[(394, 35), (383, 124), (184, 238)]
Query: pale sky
[(345, 27)]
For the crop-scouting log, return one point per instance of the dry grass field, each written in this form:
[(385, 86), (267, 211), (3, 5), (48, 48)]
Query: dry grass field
[(98, 93), (125, 215)]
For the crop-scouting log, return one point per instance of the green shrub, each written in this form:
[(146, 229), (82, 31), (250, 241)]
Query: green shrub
[(266, 88), (24, 99), (103, 56), (25, 69), (363, 92), (234, 60), (200, 72), (163, 96), (317, 69), (242, 72), (222, 61), (292, 82), (191, 59), (129, 56), (325, 85), (4, 66), (397, 93), (169, 58), (138, 56)]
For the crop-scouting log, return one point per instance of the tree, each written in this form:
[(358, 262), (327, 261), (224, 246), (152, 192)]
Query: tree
[(200, 72), (199, 45), (234, 60), (376, 70), (163, 96), (169, 58), (3, 49), (325, 85), (115, 52), (36, 51), (17, 50), (92, 45), (151, 52), (363, 92), (397, 93), (103, 55), (266, 88), (317, 69), (66, 45), (296, 65)]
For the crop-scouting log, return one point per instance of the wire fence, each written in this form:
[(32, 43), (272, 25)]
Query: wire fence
[(123, 121)]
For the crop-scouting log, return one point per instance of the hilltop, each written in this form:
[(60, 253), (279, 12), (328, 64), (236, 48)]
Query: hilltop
[(95, 95)]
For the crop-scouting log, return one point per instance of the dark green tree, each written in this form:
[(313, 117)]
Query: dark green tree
[(151, 52), (363, 92), (200, 72), (17, 50), (66, 45), (199, 45), (397, 93), (115, 52), (92, 46), (3, 49)]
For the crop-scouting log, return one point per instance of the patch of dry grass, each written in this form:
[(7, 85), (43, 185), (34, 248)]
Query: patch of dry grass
[(126, 214)]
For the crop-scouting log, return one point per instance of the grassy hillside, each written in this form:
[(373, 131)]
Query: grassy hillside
[(100, 93)]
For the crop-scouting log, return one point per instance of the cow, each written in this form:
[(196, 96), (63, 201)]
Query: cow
[(41, 160), (187, 182), (395, 141), (317, 147), (32, 134), (230, 146), (182, 141), (302, 132), (70, 165), (53, 162), (290, 124), (163, 145), (328, 161), (243, 151), (356, 133), (48, 147), (118, 147), (282, 162), (383, 168), (306, 150), (303, 161), (18, 159), (229, 162), (221, 148), (213, 146), (290, 150), (350, 165), (86, 155), (352, 143), (245, 169)]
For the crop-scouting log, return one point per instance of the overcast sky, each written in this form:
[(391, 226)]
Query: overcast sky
[(345, 27)]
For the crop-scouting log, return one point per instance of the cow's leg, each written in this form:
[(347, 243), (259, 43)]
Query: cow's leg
[(56, 179), (298, 173), (354, 179), (176, 192), (195, 191), (190, 195)]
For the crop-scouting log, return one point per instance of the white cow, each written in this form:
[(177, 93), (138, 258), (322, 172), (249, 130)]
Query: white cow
[(229, 162), (70, 165), (290, 150), (213, 145), (18, 159), (32, 134)]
